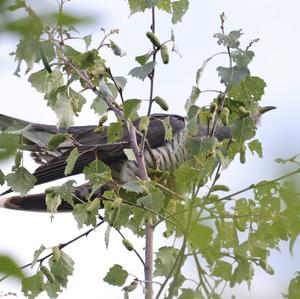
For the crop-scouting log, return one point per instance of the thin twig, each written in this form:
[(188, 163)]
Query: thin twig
[(260, 184), (134, 250), (119, 89), (61, 246), (199, 270)]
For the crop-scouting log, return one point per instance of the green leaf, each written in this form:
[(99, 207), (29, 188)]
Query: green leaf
[(56, 140), (53, 200), (142, 59), (230, 40), (37, 254), (241, 209), (34, 285), (200, 236), (45, 82), (53, 289), (55, 195), (17, 5), (242, 58), (165, 259), (141, 5), (243, 272), (201, 146), (228, 233), (131, 107), (80, 215), (47, 51), (232, 76), (113, 90), (63, 109), (185, 176), (176, 284), (116, 49), (2, 177), (223, 270), (121, 81), (143, 71), (27, 50), (294, 287), (21, 180), (99, 106), (153, 200), (8, 145), (165, 5), (243, 129), (73, 54), (222, 158), (255, 147), (71, 160), (266, 267), (179, 8), (116, 276), (193, 117), (290, 160), (77, 100), (115, 131), (104, 90), (168, 129), (248, 90), (190, 294), (97, 172), (9, 267), (65, 192), (87, 40), (201, 70), (137, 186), (192, 99), (137, 5), (62, 267), (18, 160), (86, 213), (129, 154)]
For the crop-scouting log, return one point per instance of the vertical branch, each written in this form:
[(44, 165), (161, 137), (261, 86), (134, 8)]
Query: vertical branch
[(149, 225), (149, 260), (151, 76)]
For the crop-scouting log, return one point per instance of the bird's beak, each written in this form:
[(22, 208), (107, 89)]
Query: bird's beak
[(265, 109)]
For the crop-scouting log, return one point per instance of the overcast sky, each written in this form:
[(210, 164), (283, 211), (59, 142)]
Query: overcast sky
[(276, 60)]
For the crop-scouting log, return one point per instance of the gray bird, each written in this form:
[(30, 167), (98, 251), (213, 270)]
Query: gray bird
[(91, 145)]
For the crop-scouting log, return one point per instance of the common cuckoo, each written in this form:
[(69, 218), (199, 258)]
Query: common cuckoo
[(168, 154)]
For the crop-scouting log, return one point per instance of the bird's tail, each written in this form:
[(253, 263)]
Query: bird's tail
[(37, 202), (11, 122)]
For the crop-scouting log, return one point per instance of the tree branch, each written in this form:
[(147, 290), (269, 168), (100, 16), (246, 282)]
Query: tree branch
[(61, 246)]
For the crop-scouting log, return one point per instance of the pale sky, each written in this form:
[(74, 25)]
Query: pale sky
[(276, 61)]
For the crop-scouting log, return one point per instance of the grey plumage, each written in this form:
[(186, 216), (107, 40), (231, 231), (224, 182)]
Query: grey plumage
[(167, 155)]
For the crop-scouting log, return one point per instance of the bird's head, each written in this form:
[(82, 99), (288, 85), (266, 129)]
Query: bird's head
[(261, 111), (265, 109)]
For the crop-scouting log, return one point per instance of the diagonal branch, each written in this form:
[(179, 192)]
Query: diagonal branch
[(61, 246)]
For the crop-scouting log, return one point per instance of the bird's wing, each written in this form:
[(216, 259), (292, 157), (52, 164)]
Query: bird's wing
[(94, 146), (91, 144)]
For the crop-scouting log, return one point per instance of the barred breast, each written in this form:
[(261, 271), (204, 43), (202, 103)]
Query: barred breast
[(166, 157)]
